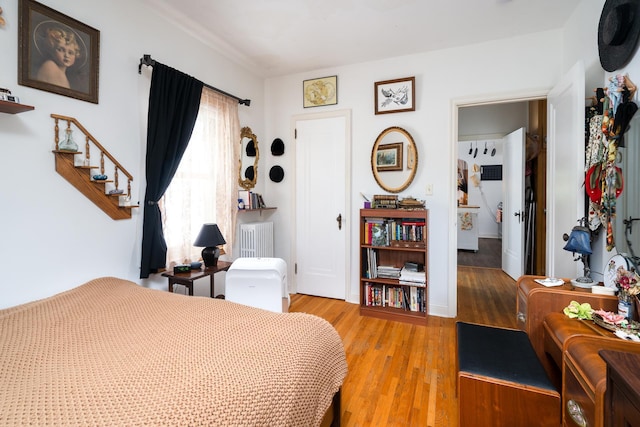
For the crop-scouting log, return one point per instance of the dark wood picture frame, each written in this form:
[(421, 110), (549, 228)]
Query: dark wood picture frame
[(57, 53), (389, 157), (395, 96)]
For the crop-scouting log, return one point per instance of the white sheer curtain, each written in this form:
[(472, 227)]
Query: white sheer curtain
[(204, 189)]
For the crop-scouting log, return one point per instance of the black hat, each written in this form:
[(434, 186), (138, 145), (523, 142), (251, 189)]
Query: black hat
[(277, 147), (249, 173), (276, 174), (251, 149), (618, 32)]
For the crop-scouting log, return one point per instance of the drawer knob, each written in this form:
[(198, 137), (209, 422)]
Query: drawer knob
[(521, 317), (576, 413)]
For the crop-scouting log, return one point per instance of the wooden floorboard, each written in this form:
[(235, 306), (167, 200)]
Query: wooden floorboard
[(402, 374)]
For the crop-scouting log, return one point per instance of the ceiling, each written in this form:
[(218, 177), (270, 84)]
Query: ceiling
[(280, 37)]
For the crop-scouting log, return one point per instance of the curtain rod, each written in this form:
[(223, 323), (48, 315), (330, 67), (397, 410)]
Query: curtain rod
[(148, 61)]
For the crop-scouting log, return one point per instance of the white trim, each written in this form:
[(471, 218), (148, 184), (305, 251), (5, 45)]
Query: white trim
[(452, 218)]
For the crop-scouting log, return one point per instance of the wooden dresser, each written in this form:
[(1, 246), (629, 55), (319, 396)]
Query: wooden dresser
[(622, 399), (535, 301), (569, 348)]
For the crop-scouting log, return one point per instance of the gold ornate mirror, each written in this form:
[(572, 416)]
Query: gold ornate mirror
[(249, 156), (394, 159)]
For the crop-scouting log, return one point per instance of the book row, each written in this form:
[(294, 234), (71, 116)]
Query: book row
[(409, 298), (250, 200), (383, 232)]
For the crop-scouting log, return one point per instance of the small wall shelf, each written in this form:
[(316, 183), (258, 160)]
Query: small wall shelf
[(13, 107), (257, 210)]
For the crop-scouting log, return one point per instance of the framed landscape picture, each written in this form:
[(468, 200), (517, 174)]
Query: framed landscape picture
[(57, 53), (395, 96), (389, 157)]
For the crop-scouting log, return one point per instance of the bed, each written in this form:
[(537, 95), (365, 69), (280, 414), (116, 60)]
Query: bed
[(110, 352)]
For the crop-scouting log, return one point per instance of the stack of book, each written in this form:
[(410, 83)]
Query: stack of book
[(388, 272), (384, 201), (413, 278)]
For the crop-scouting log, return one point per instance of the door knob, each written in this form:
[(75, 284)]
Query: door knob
[(339, 219)]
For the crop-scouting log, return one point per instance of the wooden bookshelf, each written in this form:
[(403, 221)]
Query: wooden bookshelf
[(392, 300)]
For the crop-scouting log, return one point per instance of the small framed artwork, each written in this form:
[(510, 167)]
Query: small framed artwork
[(395, 96), (57, 53), (389, 157), (319, 92)]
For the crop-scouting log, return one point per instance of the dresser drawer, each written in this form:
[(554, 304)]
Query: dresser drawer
[(578, 404)]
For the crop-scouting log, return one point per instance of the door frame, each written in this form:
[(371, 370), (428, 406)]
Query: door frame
[(456, 104), (346, 114)]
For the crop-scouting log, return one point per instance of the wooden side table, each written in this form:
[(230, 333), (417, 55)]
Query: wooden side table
[(187, 279)]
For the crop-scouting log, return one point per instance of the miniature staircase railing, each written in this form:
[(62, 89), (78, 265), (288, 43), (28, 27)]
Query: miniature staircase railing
[(105, 193)]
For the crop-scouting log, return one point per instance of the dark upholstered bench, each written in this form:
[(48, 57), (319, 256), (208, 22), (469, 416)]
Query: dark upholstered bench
[(501, 382)]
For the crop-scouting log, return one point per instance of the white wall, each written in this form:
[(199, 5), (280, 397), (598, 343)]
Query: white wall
[(441, 77), (53, 237)]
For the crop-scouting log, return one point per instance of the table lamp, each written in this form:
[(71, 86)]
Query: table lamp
[(210, 238), (579, 241)]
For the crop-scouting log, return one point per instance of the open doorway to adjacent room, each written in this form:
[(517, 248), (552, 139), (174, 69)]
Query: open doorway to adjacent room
[(481, 132)]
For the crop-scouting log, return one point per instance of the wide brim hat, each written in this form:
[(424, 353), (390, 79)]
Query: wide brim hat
[(251, 149), (276, 174), (618, 33), (277, 147)]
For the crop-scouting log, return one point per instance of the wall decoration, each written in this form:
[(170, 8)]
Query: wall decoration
[(57, 53), (276, 173), (389, 157), (395, 96), (277, 147), (319, 92)]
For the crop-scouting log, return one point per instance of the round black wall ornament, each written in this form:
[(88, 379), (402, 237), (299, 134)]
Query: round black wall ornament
[(276, 174), (249, 173), (277, 147)]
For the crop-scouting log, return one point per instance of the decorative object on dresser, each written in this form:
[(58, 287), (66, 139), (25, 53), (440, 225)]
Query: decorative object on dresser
[(579, 241), (210, 238), (393, 242)]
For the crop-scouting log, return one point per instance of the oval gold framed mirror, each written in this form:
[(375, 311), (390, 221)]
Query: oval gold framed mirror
[(249, 156), (394, 159)]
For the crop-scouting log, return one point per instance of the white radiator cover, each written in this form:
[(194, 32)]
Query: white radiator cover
[(256, 240)]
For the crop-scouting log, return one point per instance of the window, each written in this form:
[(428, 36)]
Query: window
[(204, 189)]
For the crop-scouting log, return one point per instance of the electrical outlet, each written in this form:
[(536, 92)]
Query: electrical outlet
[(429, 189)]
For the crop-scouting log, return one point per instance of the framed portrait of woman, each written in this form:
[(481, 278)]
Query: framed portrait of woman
[(57, 53)]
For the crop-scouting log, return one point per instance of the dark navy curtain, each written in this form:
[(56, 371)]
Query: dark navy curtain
[(174, 100)]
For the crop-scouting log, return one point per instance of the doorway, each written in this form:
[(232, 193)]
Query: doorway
[(481, 132)]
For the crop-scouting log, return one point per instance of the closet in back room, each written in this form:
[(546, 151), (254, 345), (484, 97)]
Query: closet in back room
[(481, 188)]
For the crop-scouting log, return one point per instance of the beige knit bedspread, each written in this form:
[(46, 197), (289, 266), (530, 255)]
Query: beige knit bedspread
[(111, 352)]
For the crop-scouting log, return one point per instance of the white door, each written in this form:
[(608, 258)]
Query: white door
[(565, 169), (322, 187), (513, 206)]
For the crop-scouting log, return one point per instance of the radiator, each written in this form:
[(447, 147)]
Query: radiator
[(256, 240)]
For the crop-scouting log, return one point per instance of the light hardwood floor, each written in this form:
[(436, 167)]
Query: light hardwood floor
[(402, 374)]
